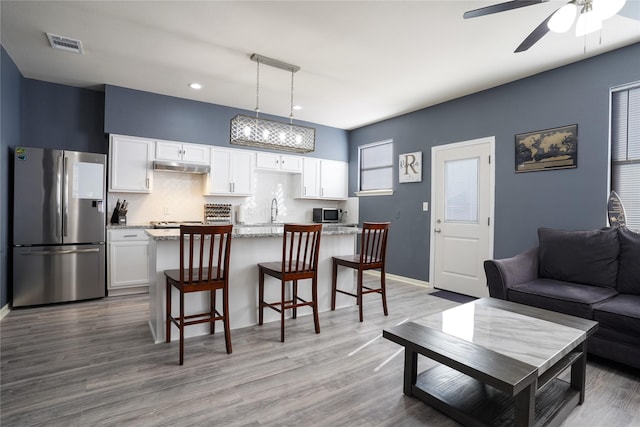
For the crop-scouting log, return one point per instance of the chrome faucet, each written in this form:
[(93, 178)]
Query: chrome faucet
[(274, 210)]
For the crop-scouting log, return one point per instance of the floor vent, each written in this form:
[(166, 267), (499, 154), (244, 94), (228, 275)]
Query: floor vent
[(65, 43)]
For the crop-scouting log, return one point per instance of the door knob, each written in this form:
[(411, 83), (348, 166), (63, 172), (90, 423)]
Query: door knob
[(437, 230)]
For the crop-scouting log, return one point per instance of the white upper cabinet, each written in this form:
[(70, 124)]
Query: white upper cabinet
[(192, 153), (333, 180), (278, 162), (231, 173), (130, 164), (321, 179)]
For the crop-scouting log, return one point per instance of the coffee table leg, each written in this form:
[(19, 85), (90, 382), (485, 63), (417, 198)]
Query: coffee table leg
[(410, 370), (525, 405), (579, 373)]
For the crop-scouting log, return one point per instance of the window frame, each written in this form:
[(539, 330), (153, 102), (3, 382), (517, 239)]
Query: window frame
[(376, 192), (613, 163)]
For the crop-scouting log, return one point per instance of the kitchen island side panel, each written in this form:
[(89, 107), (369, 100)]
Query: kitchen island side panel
[(246, 253)]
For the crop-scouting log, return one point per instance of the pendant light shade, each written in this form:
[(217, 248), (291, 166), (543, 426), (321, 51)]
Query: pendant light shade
[(605, 9), (563, 19)]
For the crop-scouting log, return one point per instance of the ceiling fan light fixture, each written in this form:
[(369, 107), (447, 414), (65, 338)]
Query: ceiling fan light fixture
[(562, 20), (588, 22), (605, 9)]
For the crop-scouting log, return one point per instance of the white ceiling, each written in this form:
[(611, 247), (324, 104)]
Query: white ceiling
[(361, 61)]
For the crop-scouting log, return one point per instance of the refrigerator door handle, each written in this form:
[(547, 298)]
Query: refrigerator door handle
[(65, 219), (63, 252), (59, 197)]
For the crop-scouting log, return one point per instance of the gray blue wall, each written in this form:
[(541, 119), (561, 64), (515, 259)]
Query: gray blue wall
[(10, 104), (137, 113), (565, 199)]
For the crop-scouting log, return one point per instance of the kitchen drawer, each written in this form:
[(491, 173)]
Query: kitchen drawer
[(127, 235)]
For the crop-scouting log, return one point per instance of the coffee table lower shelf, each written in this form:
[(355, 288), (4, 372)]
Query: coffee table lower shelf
[(474, 403)]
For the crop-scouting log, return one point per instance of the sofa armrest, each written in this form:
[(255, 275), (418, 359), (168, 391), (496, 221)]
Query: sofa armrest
[(504, 273)]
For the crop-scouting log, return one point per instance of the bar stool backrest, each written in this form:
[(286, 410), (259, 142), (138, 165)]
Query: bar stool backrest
[(204, 253), (373, 243), (300, 247)]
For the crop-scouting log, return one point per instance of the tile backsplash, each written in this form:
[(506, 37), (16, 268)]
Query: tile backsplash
[(178, 197)]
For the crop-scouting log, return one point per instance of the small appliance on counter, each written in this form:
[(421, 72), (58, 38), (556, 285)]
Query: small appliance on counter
[(217, 212), (119, 215), (326, 214)]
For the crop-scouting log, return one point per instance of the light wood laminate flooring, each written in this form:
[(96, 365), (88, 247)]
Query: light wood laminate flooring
[(94, 363)]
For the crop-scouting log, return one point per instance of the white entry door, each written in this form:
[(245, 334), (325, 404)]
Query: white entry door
[(462, 191)]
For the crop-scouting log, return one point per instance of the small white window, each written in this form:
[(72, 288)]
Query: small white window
[(625, 150), (375, 165)]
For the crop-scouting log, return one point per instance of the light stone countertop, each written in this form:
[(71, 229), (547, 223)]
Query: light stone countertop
[(246, 231)]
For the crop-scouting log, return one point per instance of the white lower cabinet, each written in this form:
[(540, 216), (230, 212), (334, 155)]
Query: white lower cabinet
[(128, 261)]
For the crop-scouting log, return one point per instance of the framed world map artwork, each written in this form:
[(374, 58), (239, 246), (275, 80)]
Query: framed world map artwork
[(547, 149)]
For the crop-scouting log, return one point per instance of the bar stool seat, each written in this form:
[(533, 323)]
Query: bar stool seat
[(372, 256), (205, 267), (300, 245)]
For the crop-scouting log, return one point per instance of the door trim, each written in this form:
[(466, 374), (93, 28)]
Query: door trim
[(492, 195)]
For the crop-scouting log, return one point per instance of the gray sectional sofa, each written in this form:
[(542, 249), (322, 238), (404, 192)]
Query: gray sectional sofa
[(590, 274)]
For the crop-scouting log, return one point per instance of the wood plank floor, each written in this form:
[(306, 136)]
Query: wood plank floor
[(94, 363)]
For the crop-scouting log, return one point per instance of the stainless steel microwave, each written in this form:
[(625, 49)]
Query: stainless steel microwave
[(326, 214)]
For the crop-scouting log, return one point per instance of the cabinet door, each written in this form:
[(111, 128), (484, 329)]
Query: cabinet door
[(167, 150), (291, 164), (333, 179), (242, 173), (196, 153), (268, 161), (130, 161), (128, 264), (310, 178), (219, 180)]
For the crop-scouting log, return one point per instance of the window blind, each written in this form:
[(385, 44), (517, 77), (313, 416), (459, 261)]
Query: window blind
[(376, 166), (625, 151)]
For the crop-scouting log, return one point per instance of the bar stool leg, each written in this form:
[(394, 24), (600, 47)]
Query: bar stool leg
[(181, 327), (314, 290), (282, 310), (212, 311), (227, 330), (334, 283), (167, 327), (360, 294), (383, 287), (295, 300), (260, 296)]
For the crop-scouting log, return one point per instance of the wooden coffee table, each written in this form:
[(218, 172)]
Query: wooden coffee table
[(498, 362)]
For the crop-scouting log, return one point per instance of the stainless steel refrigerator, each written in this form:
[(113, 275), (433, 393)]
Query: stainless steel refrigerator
[(58, 226)]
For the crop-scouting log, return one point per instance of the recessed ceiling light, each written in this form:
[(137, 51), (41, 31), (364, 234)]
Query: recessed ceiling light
[(297, 107), (196, 86)]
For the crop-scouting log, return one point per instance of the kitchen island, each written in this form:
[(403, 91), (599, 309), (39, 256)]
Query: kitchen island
[(250, 245)]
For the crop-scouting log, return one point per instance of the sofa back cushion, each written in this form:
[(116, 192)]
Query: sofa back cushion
[(629, 262), (585, 257)]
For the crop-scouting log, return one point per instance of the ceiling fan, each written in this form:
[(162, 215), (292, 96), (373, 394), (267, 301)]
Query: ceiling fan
[(590, 17)]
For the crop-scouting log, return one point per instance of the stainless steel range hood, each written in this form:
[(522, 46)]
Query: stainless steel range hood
[(180, 167)]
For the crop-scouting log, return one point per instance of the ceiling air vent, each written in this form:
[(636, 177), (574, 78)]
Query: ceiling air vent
[(65, 43)]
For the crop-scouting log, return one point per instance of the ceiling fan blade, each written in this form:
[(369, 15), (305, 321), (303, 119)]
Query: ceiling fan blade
[(501, 7), (535, 35)]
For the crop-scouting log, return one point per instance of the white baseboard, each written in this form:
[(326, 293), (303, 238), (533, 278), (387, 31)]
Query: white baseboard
[(403, 279), (5, 310)]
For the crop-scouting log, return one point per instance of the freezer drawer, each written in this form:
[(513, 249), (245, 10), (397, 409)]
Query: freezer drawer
[(50, 274)]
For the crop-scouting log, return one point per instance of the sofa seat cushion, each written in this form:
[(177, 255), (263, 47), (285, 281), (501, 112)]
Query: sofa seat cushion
[(621, 312), (583, 257), (629, 262), (564, 297)]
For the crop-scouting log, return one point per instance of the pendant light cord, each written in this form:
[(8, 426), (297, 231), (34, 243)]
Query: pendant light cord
[(291, 111), (257, 88)]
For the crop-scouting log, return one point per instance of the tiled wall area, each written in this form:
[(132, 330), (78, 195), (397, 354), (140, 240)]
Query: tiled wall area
[(179, 197)]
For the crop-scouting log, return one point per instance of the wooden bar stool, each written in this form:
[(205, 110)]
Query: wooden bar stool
[(373, 250), (205, 268), (300, 247)]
